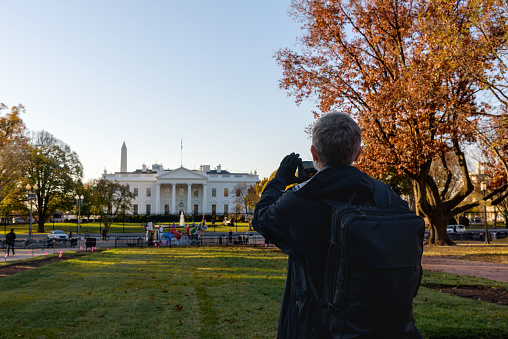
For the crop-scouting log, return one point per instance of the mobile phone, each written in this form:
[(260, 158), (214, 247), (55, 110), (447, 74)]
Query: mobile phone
[(308, 170)]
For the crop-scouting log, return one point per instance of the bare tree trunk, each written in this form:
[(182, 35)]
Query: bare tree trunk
[(40, 223), (438, 236), (436, 219)]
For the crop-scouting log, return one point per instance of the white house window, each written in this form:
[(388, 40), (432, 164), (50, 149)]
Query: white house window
[(226, 192), (135, 208), (148, 192), (226, 208), (166, 209), (196, 193), (214, 192), (148, 208), (135, 191), (214, 209), (166, 192)]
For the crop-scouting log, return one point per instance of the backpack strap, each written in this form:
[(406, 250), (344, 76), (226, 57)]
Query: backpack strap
[(382, 194)]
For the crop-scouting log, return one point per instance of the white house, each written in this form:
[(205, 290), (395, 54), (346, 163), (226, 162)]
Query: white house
[(171, 191)]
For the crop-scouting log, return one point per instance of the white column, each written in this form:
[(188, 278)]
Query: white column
[(205, 202), (157, 197), (189, 211), (173, 198)]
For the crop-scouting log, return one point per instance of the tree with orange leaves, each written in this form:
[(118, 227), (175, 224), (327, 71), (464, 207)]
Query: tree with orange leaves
[(423, 79), (12, 148)]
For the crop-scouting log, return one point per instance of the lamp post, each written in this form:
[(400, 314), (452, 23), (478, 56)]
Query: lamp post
[(31, 193), (79, 202), (483, 186)]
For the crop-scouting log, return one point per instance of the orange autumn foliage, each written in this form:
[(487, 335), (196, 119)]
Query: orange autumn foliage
[(414, 74)]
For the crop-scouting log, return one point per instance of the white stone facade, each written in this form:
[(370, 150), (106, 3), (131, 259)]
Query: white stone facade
[(164, 191)]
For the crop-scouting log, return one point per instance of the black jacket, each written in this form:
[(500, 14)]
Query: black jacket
[(10, 237), (298, 222)]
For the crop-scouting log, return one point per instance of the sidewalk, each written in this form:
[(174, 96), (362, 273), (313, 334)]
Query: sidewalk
[(478, 269), (22, 253), (26, 254)]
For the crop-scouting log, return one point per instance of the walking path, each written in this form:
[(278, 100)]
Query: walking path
[(22, 253), (26, 254), (479, 269)]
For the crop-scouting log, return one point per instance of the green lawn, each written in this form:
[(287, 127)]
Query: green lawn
[(205, 292), (496, 252), (96, 227)]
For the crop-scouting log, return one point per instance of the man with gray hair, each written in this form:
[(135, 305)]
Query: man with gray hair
[(298, 222)]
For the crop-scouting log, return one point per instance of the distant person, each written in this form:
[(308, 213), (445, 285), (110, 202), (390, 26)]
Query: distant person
[(230, 236), (11, 240), (70, 233), (87, 235)]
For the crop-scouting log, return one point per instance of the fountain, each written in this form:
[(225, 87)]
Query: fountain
[(182, 219)]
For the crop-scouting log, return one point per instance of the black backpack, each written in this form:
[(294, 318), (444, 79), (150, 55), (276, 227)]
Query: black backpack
[(9, 237), (373, 269)]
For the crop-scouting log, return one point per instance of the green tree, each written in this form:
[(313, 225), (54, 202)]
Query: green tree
[(87, 191), (110, 199), (247, 196), (56, 170)]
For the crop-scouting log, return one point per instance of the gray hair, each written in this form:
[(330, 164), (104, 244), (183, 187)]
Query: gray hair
[(337, 139)]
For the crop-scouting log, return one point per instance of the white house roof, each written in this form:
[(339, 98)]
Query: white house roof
[(181, 174)]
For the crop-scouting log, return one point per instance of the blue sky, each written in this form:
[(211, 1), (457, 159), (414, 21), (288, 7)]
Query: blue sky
[(96, 73)]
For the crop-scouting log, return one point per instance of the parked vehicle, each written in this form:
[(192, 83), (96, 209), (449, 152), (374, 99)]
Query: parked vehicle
[(58, 235), (455, 229)]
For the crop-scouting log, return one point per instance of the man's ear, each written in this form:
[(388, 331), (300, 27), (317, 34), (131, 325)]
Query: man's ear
[(358, 154), (313, 151), (317, 163)]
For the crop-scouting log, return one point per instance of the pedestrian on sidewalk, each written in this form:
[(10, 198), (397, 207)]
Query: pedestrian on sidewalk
[(11, 240)]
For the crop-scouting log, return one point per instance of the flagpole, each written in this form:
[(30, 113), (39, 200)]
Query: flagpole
[(181, 152)]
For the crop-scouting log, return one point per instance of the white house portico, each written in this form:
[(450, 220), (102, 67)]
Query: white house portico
[(171, 191), (186, 187)]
